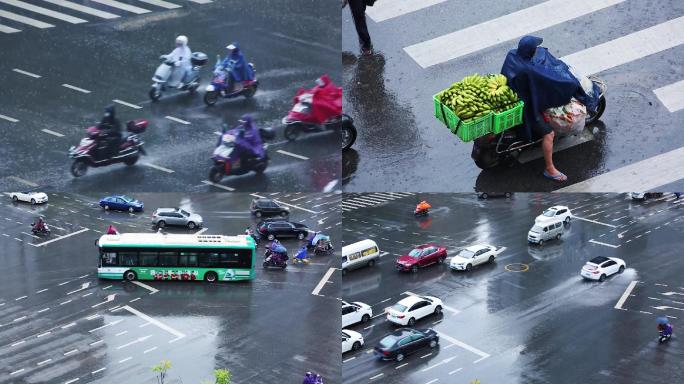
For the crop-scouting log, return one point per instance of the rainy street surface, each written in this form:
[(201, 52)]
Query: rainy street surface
[(528, 317), (423, 46), (59, 323), (64, 61)]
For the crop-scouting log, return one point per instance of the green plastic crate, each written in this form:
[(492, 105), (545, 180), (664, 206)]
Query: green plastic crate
[(508, 118), (465, 131)]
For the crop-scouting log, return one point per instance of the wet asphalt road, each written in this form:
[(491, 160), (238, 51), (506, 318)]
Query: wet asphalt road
[(115, 59), (400, 141), (56, 324), (545, 325)]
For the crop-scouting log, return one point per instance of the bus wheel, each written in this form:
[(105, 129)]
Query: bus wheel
[(130, 276), (210, 277)]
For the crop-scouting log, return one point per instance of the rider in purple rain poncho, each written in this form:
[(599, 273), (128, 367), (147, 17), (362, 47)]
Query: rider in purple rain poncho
[(238, 66), (247, 139)]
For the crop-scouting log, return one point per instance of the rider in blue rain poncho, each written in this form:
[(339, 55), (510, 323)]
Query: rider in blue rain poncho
[(542, 81), (237, 65)]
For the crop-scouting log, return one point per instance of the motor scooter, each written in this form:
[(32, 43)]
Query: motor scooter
[(169, 76), (220, 85)]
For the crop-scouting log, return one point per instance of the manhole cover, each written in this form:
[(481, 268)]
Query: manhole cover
[(517, 267)]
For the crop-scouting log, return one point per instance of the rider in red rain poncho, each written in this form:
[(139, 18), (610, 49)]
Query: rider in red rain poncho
[(324, 102)]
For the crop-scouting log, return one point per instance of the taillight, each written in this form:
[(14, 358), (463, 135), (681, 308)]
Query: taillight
[(401, 316), (595, 272), (262, 229), (386, 353)]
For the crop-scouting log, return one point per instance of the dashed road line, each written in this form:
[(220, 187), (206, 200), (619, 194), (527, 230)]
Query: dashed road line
[(159, 168), (75, 88), (177, 120), (10, 119), (27, 73), (296, 156), (130, 105), (98, 370), (604, 244), (207, 182)]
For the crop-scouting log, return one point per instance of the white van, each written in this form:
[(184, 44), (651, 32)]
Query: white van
[(544, 231), (359, 254)]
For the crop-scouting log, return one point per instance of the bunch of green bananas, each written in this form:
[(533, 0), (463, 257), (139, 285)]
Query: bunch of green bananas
[(476, 96)]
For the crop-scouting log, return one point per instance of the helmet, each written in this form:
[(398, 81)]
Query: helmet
[(182, 40), (231, 46)]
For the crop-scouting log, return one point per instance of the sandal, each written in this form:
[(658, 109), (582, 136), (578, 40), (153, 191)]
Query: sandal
[(560, 177)]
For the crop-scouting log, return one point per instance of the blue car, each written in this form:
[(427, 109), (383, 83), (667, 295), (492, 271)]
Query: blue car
[(121, 203)]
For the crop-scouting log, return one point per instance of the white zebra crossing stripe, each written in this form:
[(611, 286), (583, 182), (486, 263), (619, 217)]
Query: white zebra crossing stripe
[(502, 29), (672, 96), (25, 20), (82, 8), (124, 6), (385, 10), (356, 203), (372, 200), (161, 3), (44, 11), (629, 47), (202, 1), (6, 29)]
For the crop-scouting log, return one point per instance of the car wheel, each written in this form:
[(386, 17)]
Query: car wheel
[(130, 276), (491, 259), (106, 207), (33, 201), (541, 242), (433, 343), (414, 269), (161, 224), (400, 357), (507, 195), (15, 198), (210, 277), (469, 267), (484, 195), (271, 237), (411, 322), (283, 213), (365, 318), (356, 346), (344, 271), (441, 260), (257, 214), (371, 262), (558, 236), (191, 225), (300, 236), (622, 269), (438, 310), (567, 220), (130, 209), (603, 277)]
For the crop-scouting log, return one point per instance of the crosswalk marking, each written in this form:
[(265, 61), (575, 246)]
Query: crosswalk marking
[(162, 3), (372, 200), (25, 20), (672, 96), (202, 1), (124, 6), (44, 11), (628, 48), (82, 8), (385, 10), (6, 29), (501, 29)]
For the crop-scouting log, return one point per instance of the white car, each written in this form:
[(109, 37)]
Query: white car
[(30, 197), (356, 312), (601, 267), (474, 255), (557, 212), (351, 340), (413, 308)]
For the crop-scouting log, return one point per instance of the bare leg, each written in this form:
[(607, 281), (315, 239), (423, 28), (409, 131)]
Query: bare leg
[(547, 149)]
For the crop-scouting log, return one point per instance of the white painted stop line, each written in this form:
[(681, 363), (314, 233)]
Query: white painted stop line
[(44, 11), (672, 96), (385, 10), (82, 8), (625, 295)]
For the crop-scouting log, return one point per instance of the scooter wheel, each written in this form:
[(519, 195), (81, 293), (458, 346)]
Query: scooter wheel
[(131, 160), (79, 167), (291, 132), (215, 174), (210, 98), (249, 92), (484, 157), (265, 264), (348, 132), (154, 94), (261, 167), (599, 111)]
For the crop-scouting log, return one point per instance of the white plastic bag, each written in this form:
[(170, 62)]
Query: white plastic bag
[(585, 82), (568, 119)]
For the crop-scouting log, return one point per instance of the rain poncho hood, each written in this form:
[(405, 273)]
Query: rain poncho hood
[(318, 237), (247, 137), (278, 248), (237, 64), (318, 104), (541, 80)]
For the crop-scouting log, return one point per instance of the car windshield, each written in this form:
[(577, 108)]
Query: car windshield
[(536, 229), (184, 213), (387, 341), (398, 307), (466, 253), (415, 253), (549, 213), (126, 199)]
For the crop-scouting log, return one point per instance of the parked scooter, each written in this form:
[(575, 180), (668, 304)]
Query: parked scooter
[(169, 76), (86, 153), (220, 85), (235, 156)]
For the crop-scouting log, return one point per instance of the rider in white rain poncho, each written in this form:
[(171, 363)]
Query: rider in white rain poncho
[(181, 57)]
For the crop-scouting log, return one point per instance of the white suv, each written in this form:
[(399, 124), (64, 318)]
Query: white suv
[(356, 312), (413, 308), (557, 212), (601, 267)]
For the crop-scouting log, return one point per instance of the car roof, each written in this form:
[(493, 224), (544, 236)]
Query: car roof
[(402, 332), (477, 247), (409, 300), (558, 207), (168, 209), (599, 260), (426, 246)]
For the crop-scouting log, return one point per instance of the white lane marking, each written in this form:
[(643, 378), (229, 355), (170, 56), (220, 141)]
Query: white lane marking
[(17, 343), (70, 352), (23, 181), (42, 290), (44, 334), (625, 295), (594, 221), (10, 119), (43, 310), (455, 370), (28, 234), (17, 372), (149, 350), (162, 4), (96, 342), (158, 323), (124, 6), (121, 333), (159, 168), (44, 11), (25, 20), (323, 281), (51, 132), (329, 187), (98, 370), (83, 286), (201, 231), (127, 104), (20, 298), (84, 9), (60, 238), (400, 366), (202, 1), (377, 376), (604, 244), (177, 120), (666, 307), (64, 283), (478, 360), (501, 29), (136, 341), (71, 381), (143, 285), (6, 29), (463, 345), (115, 322), (207, 182), (385, 10), (286, 204), (44, 362), (296, 156), (65, 302), (68, 325), (628, 48), (27, 73), (432, 381), (75, 88), (125, 360), (107, 300), (445, 361), (643, 175), (672, 96)]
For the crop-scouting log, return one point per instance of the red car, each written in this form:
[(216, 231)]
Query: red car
[(421, 256)]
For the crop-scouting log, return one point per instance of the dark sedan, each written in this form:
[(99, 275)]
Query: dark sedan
[(272, 229), (405, 341)]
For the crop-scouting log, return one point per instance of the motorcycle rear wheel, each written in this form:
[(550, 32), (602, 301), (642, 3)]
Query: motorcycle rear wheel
[(131, 160), (79, 167), (599, 111), (249, 92), (210, 98), (216, 174), (261, 166), (348, 132), (154, 94), (291, 132)]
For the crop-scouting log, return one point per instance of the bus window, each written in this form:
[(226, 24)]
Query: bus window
[(168, 259), (109, 259), (229, 260), (187, 259), (209, 260), (245, 257), (148, 259), (129, 259)]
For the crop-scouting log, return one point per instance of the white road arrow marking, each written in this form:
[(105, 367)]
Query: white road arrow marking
[(109, 298), (445, 361), (136, 341), (621, 234), (83, 286), (671, 293), (665, 307)]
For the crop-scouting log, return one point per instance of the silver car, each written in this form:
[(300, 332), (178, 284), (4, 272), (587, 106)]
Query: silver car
[(176, 216)]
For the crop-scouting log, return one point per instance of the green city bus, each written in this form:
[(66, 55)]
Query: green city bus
[(161, 256)]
